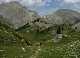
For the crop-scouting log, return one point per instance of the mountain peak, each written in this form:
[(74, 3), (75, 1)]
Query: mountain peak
[(16, 14)]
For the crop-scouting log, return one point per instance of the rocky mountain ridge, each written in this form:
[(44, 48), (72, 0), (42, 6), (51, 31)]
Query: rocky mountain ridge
[(16, 14)]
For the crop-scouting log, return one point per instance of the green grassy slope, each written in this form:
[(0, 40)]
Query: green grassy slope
[(13, 44)]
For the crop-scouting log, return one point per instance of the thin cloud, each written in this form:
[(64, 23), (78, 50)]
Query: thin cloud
[(6, 1), (31, 2), (71, 1)]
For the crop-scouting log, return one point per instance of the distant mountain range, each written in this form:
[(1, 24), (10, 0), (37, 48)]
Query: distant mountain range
[(64, 16), (17, 16), (70, 16)]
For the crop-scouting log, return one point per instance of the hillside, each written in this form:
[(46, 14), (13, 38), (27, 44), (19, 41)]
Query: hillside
[(64, 16), (16, 14), (68, 47), (70, 16)]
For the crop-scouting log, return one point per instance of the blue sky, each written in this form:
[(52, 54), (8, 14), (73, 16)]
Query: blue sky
[(44, 7)]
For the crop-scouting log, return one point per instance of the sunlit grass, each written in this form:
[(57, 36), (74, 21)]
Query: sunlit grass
[(42, 46)]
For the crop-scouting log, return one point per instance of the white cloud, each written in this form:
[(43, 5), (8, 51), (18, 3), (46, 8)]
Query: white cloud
[(27, 2), (31, 2), (6, 1), (71, 1)]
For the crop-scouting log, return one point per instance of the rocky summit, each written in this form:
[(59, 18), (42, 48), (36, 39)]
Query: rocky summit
[(16, 15)]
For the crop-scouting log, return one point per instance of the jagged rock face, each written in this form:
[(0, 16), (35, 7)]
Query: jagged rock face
[(63, 16), (68, 16), (16, 15), (41, 25)]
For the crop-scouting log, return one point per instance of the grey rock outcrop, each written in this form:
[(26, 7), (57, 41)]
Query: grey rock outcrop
[(62, 16), (76, 27), (16, 15)]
